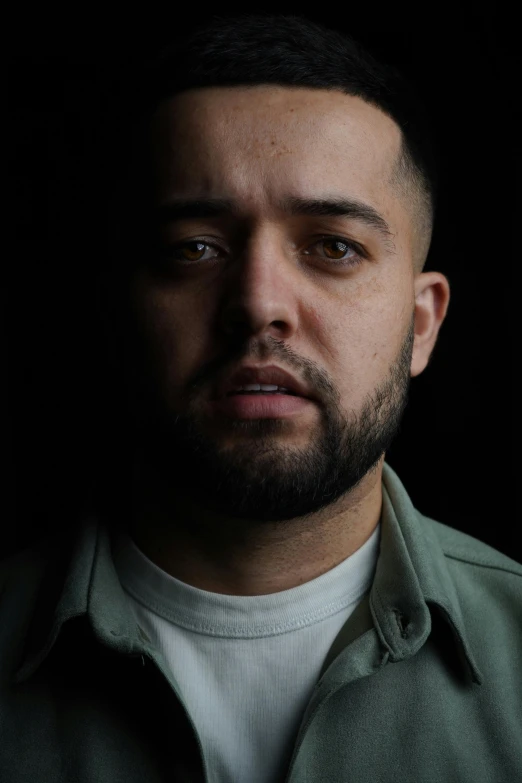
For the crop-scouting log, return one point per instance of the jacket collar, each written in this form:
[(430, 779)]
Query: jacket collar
[(411, 573), (412, 578)]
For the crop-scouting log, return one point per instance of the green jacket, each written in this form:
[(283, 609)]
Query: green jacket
[(422, 685)]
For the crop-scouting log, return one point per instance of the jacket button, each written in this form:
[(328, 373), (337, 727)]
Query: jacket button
[(404, 624)]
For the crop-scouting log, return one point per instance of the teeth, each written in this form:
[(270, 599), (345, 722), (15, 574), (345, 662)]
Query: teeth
[(261, 387)]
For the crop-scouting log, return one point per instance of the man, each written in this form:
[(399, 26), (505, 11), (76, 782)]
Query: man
[(269, 606)]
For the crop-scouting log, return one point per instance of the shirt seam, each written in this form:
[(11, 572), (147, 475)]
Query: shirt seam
[(483, 564)]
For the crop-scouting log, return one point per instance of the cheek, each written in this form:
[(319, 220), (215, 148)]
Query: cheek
[(173, 332), (357, 338), (317, 322)]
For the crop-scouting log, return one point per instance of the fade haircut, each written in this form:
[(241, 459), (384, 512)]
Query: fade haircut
[(284, 50)]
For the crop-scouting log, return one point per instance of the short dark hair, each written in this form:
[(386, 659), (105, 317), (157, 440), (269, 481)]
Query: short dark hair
[(284, 50)]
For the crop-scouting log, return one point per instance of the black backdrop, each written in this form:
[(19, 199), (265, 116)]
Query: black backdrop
[(456, 450)]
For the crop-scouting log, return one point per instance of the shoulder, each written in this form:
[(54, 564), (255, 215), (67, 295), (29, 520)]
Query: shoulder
[(480, 572), (22, 560), (465, 548), (21, 573)]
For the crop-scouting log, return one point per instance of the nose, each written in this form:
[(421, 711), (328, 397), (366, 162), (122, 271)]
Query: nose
[(262, 290)]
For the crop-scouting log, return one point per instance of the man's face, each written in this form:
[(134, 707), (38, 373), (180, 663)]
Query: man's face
[(260, 285)]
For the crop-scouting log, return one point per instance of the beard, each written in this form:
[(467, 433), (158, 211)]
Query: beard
[(179, 461)]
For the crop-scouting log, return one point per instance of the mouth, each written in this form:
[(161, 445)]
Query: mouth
[(261, 392), (260, 405), (262, 381)]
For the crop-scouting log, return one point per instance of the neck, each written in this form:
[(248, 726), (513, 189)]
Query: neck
[(245, 557)]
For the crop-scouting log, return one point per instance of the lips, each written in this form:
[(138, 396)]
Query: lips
[(269, 374), (261, 406)]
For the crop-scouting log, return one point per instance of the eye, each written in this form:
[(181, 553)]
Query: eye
[(193, 250), (341, 250)]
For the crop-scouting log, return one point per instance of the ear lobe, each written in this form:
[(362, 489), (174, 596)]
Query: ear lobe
[(432, 296)]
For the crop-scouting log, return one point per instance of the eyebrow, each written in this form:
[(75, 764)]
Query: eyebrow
[(186, 209)]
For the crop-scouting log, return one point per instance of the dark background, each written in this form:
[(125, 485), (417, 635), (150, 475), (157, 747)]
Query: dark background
[(456, 451)]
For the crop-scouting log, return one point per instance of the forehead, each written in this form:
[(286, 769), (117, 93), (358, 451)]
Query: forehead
[(254, 143)]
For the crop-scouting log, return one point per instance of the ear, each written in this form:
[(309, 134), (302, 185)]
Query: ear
[(432, 295)]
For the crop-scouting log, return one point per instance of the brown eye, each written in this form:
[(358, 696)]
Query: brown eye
[(342, 252), (192, 251), (335, 248)]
